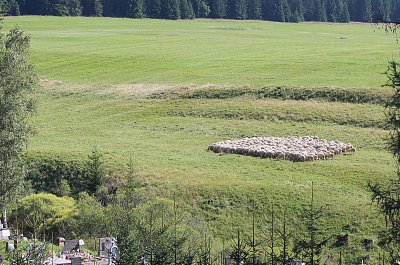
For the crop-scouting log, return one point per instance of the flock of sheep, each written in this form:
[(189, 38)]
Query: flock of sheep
[(297, 149)]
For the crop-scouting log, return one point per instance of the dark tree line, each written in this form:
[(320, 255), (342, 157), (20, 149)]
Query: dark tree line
[(276, 10)]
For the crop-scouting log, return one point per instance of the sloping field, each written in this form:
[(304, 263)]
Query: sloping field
[(162, 91)]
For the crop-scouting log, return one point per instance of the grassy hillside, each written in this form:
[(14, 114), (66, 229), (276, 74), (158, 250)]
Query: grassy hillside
[(117, 84), (168, 138), (98, 50)]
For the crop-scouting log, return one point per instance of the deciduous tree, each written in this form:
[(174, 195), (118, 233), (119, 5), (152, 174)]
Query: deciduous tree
[(17, 104)]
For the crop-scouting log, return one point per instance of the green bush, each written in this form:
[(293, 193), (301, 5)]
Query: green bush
[(41, 214), (63, 178)]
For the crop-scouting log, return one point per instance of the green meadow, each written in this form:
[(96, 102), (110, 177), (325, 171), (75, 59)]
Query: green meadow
[(120, 85), (115, 51)]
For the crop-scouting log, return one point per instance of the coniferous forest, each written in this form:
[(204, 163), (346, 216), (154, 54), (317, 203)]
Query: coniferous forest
[(275, 10)]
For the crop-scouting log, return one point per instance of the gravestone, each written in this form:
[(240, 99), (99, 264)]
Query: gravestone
[(76, 261), (10, 246), (295, 262), (71, 246), (105, 245)]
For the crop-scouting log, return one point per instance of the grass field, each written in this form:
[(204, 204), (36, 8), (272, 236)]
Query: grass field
[(102, 81), (97, 50)]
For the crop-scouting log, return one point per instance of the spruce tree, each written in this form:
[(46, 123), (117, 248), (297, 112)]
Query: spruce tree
[(195, 5), (387, 196), (396, 11), (153, 8), (308, 10), (203, 9), (254, 11), (297, 10), (9, 7), (186, 10), (135, 8), (170, 9), (231, 9), (280, 11), (322, 12), (367, 16), (218, 8), (353, 9), (342, 11), (332, 12), (240, 9), (265, 9), (92, 8), (312, 245), (65, 8)]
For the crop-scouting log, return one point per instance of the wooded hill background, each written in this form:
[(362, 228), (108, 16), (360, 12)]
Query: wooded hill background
[(276, 10)]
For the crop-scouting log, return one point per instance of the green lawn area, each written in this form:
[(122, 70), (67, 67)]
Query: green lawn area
[(98, 50), (86, 101)]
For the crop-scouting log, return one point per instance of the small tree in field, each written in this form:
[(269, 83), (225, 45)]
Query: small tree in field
[(17, 79), (312, 245)]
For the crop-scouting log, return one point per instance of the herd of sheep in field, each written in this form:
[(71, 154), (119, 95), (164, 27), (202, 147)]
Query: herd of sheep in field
[(297, 149)]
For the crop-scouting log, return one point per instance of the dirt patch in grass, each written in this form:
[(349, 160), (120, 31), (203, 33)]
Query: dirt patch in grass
[(146, 90), (49, 82)]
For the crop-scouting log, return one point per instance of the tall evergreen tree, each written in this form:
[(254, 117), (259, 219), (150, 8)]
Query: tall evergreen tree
[(255, 11), (170, 9), (387, 196), (195, 5), (135, 8), (265, 9), (186, 10), (332, 12), (218, 8), (396, 11), (153, 8), (280, 11), (65, 8), (9, 7), (385, 9), (241, 9), (92, 8), (353, 9), (203, 9), (309, 10), (297, 10), (342, 11), (321, 11), (315, 10), (231, 9), (367, 12)]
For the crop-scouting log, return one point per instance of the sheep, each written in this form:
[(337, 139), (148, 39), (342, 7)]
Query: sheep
[(306, 148)]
